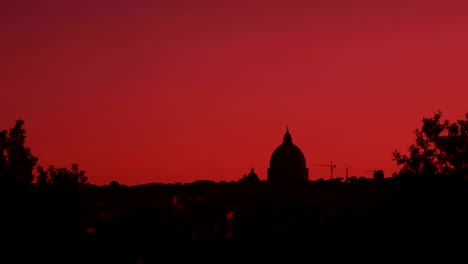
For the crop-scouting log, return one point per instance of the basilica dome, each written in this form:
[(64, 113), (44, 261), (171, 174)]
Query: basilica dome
[(287, 164), (287, 155)]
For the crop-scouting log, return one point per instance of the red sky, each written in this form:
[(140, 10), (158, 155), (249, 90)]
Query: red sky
[(176, 91)]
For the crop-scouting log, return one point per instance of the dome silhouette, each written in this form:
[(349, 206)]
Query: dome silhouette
[(287, 164), (287, 155)]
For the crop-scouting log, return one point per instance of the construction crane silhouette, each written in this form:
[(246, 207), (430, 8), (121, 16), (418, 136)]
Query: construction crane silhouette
[(331, 166)]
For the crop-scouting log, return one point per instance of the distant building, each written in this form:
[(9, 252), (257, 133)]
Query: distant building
[(378, 175), (287, 164), (252, 177)]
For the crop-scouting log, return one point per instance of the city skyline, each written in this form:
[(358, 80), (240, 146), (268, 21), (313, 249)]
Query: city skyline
[(140, 91)]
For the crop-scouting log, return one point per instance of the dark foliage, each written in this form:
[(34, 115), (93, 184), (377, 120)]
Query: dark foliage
[(16, 160), (440, 149)]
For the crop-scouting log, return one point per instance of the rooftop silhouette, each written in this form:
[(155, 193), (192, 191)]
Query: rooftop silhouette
[(420, 204)]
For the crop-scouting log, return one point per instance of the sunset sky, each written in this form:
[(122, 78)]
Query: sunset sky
[(141, 91)]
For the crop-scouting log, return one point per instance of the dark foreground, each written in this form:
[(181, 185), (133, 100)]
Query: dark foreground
[(223, 222)]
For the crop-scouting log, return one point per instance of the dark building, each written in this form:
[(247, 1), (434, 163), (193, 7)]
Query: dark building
[(287, 164), (252, 177)]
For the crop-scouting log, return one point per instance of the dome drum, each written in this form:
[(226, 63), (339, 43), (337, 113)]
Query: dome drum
[(287, 176)]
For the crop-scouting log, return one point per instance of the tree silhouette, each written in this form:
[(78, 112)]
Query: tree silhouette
[(61, 177), (3, 152), (16, 160), (42, 178), (440, 149), (17, 164)]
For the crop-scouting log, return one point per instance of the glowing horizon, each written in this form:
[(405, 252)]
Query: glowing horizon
[(154, 91)]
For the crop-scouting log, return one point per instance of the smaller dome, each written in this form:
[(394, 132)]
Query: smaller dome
[(252, 174), (252, 177)]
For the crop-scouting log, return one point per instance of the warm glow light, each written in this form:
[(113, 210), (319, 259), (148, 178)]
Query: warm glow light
[(159, 91)]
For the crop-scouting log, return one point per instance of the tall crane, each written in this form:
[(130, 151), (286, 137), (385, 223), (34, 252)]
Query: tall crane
[(331, 166)]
